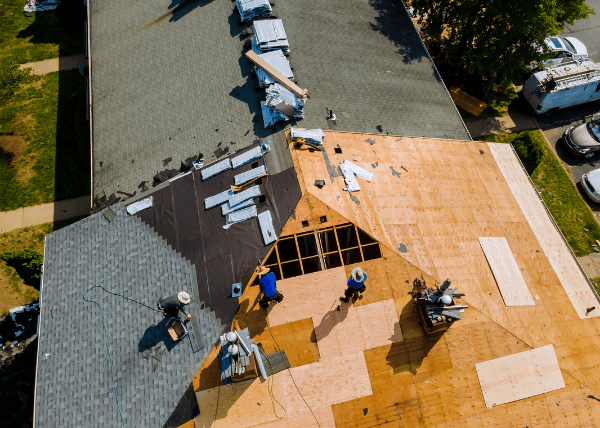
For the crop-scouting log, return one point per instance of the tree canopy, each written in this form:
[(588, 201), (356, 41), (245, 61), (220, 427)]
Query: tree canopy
[(496, 35)]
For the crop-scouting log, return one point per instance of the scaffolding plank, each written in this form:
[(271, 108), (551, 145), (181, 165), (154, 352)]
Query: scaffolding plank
[(216, 168), (506, 272), (518, 376)]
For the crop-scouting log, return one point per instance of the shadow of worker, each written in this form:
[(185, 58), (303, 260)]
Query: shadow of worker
[(331, 319), (155, 335)]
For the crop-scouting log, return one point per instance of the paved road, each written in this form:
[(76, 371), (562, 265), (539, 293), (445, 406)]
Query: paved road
[(588, 31)]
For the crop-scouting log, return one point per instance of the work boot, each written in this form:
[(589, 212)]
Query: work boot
[(345, 299), (263, 304)]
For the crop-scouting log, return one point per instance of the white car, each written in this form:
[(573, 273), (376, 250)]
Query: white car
[(563, 49), (591, 184)]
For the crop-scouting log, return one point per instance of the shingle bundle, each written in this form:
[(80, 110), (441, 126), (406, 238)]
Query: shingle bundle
[(284, 102), (269, 35), (278, 61), (312, 137), (250, 9)]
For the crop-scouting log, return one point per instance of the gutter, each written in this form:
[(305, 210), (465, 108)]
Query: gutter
[(37, 360)]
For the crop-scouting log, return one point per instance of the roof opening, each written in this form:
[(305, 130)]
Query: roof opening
[(323, 219), (337, 149), (254, 165), (304, 223), (262, 198)]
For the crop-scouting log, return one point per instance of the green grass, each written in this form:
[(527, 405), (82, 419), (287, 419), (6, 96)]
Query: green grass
[(562, 197), (46, 37), (54, 164)]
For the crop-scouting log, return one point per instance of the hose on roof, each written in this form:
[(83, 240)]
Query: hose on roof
[(106, 336)]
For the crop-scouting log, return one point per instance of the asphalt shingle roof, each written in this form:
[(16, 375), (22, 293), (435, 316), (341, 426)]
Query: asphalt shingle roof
[(171, 81), (74, 382)]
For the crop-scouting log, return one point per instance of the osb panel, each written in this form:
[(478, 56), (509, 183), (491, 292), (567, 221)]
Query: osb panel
[(299, 342), (563, 263), (506, 271), (353, 329), (519, 376)]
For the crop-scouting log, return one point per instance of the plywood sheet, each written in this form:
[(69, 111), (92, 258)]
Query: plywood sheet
[(506, 271), (514, 377), (353, 329), (308, 296), (562, 261), (249, 403)]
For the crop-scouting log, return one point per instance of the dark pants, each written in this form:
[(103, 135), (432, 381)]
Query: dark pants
[(353, 293), (264, 301)]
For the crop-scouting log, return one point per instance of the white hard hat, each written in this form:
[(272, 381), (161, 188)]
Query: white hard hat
[(233, 349), (231, 336), (357, 274), (446, 299), (184, 298)]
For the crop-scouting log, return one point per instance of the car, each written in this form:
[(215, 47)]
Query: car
[(561, 49), (583, 140), (591, 184)]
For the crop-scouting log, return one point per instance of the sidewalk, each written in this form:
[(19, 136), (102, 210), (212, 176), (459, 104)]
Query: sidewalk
[(513, 122), (45, 213), (55, 64)]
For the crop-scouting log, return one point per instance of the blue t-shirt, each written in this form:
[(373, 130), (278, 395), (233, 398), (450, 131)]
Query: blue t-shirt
[(354, 284), (267, 284)]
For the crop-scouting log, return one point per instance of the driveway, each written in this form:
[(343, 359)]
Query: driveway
[(588, 31)]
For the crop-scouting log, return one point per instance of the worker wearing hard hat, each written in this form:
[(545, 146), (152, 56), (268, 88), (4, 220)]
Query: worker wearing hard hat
[(268, 285), (356, 285)]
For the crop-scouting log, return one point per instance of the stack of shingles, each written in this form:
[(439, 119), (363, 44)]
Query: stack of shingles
[(237, 207), (281, 104), (312, 137), (269, 35), (279, 62), (250, 9)]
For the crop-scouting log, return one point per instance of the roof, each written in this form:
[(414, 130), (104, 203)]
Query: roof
[(173, 83), (428, 204), (174, 245)]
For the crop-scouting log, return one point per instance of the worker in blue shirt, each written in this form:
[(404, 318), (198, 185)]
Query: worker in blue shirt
[(356, 285), (268, 285)]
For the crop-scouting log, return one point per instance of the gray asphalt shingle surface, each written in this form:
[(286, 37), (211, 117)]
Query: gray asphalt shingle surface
[(165, 80), (74, 383)]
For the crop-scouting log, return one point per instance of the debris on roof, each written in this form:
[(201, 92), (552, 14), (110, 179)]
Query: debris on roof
[(350, 171), (226, 208), (240, 215), (139, 205), (284, 101), (312, 137), (270, 35), (250, 9), (266, 227)]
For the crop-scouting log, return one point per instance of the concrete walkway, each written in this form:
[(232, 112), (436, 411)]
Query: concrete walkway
[(55, 64), (44, 213), (513, 122), (590, 265)]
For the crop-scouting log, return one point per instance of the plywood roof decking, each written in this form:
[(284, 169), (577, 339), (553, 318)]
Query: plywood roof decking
[(519, 376), (248, 403), (506, 272), (561, 259)]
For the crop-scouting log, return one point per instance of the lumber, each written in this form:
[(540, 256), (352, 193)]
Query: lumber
[(280, 78)]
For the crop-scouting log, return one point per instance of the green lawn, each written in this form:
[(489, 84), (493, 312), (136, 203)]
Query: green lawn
[(564, 201), (41, 36), (45, 142)]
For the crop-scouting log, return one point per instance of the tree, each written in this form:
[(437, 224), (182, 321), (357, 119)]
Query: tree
[(496, 35)]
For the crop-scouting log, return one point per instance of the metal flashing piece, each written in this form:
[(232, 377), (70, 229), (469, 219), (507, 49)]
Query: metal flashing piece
[(350, 171), (226, 208), (250, 175), (240, 215), (250, 193), (236, 289), (214, 169), (218, 199), (246, 157), (266, 227)]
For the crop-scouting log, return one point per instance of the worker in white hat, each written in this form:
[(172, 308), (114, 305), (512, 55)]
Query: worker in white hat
[(356, 285)]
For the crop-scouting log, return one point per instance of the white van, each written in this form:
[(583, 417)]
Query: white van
[(576, 82)]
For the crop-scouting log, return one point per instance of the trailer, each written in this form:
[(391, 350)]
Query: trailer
[(570, 84)]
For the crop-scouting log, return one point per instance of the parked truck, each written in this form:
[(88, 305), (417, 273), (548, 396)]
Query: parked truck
[(569, 84)]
